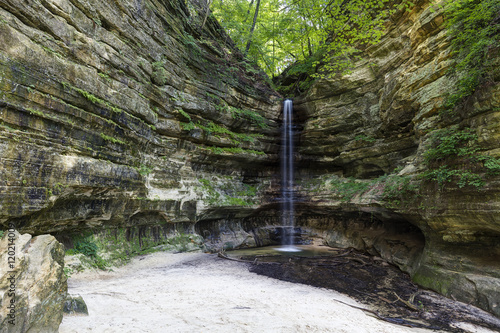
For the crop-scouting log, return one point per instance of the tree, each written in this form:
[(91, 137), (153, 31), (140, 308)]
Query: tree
[(252, 29), (285, 31)]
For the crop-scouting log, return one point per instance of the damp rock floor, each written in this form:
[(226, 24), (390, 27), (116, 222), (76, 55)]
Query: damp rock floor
[(343, 291)]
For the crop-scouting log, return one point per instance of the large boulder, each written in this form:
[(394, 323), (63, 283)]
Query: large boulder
[(33, 285)]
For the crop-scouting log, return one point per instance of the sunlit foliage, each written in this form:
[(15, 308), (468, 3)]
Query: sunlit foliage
[(474, 30), (276, 33)]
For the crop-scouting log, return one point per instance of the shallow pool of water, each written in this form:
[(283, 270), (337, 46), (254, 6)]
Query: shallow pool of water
[(284, 250)]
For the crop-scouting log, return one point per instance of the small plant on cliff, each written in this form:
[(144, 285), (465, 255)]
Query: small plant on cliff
[(474, 28), (253, 116), (86, 245), (188, 126), (213, 196), (160, 74), (398, 189), (144, 170), (454, 155), (221, 131), (92, 98), (105, 76), (111, 139), (233, 150), (365, 138), (228, 193), (393, 188), (184, 114), (348, 188)]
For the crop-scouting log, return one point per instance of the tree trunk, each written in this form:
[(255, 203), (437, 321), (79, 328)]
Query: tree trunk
[(248, 11), (209, 2), (249, 42)]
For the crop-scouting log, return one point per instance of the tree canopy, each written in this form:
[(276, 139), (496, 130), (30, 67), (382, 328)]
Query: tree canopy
[(276, 33)]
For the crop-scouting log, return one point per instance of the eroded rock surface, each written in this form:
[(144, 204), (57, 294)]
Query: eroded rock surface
[(132, 114), (33, 289)]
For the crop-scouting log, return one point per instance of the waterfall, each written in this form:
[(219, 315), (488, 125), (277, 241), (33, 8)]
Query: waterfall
[(287, 176)]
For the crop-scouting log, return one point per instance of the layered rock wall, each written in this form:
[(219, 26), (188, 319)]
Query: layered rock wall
[(112, 111), (136, 114), (379, 118)]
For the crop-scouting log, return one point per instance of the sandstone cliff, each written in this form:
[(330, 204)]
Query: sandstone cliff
[(382, 119), (33, 286), (131, 114), (112, 112)]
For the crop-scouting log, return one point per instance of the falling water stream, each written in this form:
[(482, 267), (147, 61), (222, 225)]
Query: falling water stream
[(287, 176), (352, 272)]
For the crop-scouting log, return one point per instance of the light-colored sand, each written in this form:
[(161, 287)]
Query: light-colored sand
[(198, 292)]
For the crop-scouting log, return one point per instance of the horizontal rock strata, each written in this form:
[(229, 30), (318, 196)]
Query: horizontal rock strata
[(112, 113), (136, 114), (381, 117)]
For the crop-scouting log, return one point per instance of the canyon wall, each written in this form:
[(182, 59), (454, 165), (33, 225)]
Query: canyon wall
[(140, 114), (377, 125), (127, 114)]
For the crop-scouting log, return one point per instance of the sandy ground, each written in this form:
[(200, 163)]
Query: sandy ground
[(196, 292)]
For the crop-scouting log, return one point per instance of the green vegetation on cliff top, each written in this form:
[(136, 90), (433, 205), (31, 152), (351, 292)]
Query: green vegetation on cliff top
[(324, 37), (474, 28), (277, 33)]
